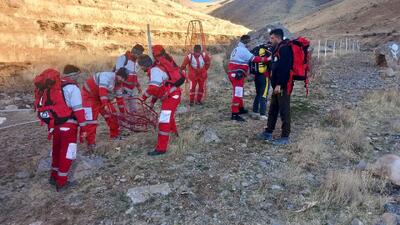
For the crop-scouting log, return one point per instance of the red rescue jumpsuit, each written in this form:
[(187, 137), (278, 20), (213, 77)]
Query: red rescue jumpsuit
[(95, 100), (65, 135), (126, 88), (239, 63), (170, 97), (199, 65)]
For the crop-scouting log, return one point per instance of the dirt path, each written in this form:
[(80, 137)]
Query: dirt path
[(238, 180)]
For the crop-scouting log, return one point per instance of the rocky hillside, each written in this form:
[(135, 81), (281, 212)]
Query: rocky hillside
[(373, 21), (38, 30), (257, 13)]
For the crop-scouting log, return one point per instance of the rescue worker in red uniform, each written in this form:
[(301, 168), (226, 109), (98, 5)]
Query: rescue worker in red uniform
[(199, 62), (238, 69), (96, 100), (127, 87), (170, 96), (63, 130)]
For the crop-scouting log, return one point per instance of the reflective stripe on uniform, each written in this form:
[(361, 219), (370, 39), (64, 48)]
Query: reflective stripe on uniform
[(235, 104), (239, 63), (82, 124), (54, 168), (62, 174), (77, 107), (91, 122), (163, 133), (156, 83), (103, 98)]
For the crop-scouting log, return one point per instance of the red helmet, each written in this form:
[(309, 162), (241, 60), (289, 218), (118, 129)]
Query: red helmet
[(158, 50)]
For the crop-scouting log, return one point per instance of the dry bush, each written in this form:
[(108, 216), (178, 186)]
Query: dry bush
[(396, 126), (352, 141), (312, 149), (351, 188), (385, 100), (340, 117)]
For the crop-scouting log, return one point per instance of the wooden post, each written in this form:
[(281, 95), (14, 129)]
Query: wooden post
[(334, 48), (319, 48), (149, 42)]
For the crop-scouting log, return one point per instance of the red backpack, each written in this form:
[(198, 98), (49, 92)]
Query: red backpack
[(301, 62), (49, 103), (166, 63)]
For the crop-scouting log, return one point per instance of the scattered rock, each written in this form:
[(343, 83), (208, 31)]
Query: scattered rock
[(36, 223), (143, 193), (356, 222), (392, 208), (388, 166), (2, 120), (11, 107), (82, 167), (138, 178), (182, 110), (276, 188), (388, 55), (210, 135), (362, 165), (390, 219), (22, 175)]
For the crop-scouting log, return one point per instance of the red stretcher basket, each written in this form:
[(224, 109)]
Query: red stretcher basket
[(138, 116)]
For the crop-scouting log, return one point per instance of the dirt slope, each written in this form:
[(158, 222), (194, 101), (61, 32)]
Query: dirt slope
[(257, 13), (373, 21), (34, 30)]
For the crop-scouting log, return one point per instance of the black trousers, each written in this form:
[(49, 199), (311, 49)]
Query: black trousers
[(280, 104), (260, 101)]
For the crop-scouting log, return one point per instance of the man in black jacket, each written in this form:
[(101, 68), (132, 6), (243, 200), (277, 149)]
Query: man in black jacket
[(280, 99)]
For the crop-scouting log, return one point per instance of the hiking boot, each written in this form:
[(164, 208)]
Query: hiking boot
[(237, 117), (264, 117), (243, 111), (52, 181), (62, 188), (155, 153), (265, 136), (281, 141)]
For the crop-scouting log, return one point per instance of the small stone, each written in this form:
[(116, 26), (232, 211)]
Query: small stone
[(392, 208), (209, 136), (138, 178), (182, 110), (11, 107), (245, 184), (243, 145), (143, 193), (356, 222), (22, 175), (276, 188), (362, 165), (123, 180), (17, 99), (390, 219), (190, 158), (2, 120)]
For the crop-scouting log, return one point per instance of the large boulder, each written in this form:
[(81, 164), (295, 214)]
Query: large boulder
[(388, 166), (388, 55)]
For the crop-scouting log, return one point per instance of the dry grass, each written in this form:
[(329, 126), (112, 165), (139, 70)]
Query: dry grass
[(352, 141), (353, 189), (385, 100), (311, 150), (340, 117)]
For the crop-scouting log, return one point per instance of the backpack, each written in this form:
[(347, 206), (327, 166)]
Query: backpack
[(301, 61), (261, 68), (128, 57), (49, 102), (167, 64)]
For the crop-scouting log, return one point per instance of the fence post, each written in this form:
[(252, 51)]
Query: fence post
[(319, 48), (326, 45), (334, 48), (347, 45)]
